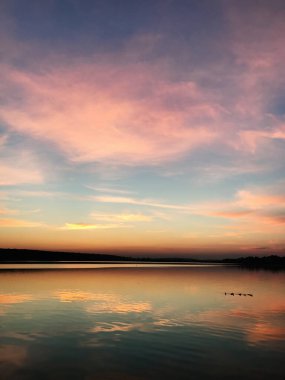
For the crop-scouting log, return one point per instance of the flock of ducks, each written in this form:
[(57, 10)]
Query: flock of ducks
[(239, 294)]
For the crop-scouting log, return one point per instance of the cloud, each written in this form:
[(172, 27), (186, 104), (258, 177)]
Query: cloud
[(122, 218), (119, 108), (10, 175), (137, 106), (255, 139), (5, 211), (16, 223), (3, 140), (19, 167), (232, 213), (127, 113), (109, 190), (249, 205), (87, 226), (140, 202), (258, 200)]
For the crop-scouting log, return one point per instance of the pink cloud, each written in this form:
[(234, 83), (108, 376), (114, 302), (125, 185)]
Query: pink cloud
[(19, 166), (107, 112), (259, 210), (122, 109), (10, 175), (258, 200), (116, 110), (122, 217), (254, 139)]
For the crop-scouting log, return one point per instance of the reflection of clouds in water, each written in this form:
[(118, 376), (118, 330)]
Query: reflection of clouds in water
[(104, 302), (117, 327), (120, 307), (243, 318), (247, 321), (145, 326), (12, 354), (264, 332), (6, 300), (14, 298), (167, 323), (77, 296)]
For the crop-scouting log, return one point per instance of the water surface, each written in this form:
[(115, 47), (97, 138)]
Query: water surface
[(133, 322)]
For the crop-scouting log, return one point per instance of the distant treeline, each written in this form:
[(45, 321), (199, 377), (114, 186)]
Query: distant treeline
[(25, 255), (258, 262)]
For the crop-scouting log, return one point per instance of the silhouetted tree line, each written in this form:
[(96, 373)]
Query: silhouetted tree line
[(256, 262), (25, 255)]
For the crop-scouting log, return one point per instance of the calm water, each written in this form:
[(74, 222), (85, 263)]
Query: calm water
[(157, 322)]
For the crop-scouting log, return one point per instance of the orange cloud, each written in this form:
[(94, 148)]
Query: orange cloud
[(86, 226), (5, 211), (231, 213), (14, 223), (258, 200)]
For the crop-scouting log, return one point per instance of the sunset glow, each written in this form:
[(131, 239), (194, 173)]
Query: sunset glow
[(153, 127)]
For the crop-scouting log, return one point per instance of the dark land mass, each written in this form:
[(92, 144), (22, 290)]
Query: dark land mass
[(272, 262), (26, 255), (36, 256)]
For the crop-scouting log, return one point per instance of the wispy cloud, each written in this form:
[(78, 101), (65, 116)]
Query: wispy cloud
[(19, 168), (250, 205), (10, 175), (109, 190), (88, 226), (140, 202), (16, 223), (6, 211), (3, 139), (122, 218)]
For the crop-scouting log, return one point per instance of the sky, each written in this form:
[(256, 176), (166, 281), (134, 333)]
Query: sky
[(144, 127)]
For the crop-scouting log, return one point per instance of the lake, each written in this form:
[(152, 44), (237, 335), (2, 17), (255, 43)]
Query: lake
[(132, 322)]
